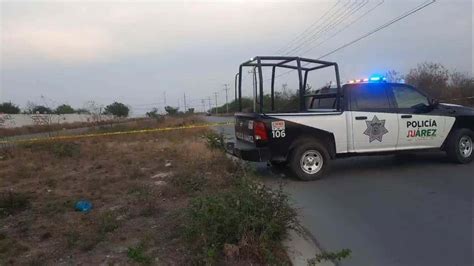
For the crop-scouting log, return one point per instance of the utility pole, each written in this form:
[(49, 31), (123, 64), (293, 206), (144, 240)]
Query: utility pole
[(203, 102), (226, 88), (164, 97), (210, 105), (185, 107), (215, 95)]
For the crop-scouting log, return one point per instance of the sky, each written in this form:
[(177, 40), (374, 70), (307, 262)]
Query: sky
[(136, 52)]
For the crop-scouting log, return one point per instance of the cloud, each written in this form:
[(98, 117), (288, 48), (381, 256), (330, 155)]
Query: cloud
[(77, 33), (58, 44)]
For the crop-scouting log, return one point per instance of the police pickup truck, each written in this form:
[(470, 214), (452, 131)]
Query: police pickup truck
[(361, 117)]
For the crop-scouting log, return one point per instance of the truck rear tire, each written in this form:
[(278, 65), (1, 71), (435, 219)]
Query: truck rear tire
[(309, 161), (459, 146)]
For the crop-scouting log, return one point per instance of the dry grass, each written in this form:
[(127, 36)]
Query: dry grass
[(140, 185), (53, 127), (136, 196), (102, 126)]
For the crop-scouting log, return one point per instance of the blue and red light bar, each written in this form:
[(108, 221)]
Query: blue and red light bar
[(373, 78)]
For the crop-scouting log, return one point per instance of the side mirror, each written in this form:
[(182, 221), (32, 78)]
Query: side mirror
[(434, 102)]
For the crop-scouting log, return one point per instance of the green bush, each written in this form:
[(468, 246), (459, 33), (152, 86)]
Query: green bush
[(251, 216), (137, 254), (214, 140), (330, 256), (107, 223)]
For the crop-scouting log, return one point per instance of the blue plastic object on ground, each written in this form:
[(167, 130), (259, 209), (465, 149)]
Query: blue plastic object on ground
[(83, 206)]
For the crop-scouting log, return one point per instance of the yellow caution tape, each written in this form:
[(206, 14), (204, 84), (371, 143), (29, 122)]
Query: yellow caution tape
[(117, 133)]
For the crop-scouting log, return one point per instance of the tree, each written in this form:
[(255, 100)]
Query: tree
[(190, 111), (40, 109), (171, 110), (93, 108), (393, 76), (64, 109), (153, 113), (461, 85), (9, 108), (117, 109), (82, 111), (431, 77)]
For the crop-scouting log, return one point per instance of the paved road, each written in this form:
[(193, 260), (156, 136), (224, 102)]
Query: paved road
[(417, 210)]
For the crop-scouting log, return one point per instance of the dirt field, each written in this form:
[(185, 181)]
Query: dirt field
[(138, 185)]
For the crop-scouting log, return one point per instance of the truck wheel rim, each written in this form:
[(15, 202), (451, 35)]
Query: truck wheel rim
[(465, 146), (311, 162)]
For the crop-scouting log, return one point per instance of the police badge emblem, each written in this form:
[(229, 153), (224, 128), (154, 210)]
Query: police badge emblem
[(375, 129)]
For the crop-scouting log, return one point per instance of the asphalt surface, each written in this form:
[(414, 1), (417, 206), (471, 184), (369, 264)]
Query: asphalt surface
[(411, 210)]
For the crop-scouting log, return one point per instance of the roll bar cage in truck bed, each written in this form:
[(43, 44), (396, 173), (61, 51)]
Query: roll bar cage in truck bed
[(287, 62)]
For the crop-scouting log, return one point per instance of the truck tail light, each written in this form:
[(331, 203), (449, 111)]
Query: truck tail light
[(259, 131)]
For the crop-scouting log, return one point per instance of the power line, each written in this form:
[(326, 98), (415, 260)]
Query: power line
[(426, 4), (330, 25), (337, 14), (346, 27), (318, 36), (387, 24), (288, 45)]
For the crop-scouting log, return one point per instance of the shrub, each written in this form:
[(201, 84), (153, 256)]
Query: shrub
[(137, 254), (107, 223), (188, 181), (214, 140), (154, 114), (11, 203), (251, 216), (330, 256)]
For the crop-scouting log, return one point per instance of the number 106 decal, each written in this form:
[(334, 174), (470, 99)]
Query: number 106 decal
[(278, 134), (278, 129)]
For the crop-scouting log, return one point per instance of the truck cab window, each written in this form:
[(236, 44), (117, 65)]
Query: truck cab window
[(407, 97), (322, 99), (369, 97), (322, 103)]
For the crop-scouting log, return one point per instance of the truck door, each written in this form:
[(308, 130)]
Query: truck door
[(374, 120), (420, 124)]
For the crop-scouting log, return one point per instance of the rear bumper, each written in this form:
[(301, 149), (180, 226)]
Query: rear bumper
[(248, 152)]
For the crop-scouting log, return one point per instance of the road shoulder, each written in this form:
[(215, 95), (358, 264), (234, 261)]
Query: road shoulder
[(301, 248)]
